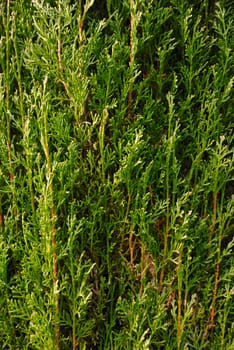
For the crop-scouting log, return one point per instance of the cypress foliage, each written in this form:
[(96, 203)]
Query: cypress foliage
[(116, 174)]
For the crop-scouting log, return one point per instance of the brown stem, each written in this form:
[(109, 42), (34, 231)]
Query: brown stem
[(81, 36), (73, 342)]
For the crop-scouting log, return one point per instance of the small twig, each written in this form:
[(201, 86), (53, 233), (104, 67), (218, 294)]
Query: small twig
[(59, 50), (71, 98), (147, 265), (131, 249), (81, 35)]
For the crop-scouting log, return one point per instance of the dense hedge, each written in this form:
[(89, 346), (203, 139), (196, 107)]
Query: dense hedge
[(116, 174)]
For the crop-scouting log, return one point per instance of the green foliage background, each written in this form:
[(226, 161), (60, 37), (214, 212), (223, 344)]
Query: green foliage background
[(116, 174)]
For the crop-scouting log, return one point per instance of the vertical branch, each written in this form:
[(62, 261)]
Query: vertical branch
[(19, 79), (131, 58), (101, 136), (59, 42), (7, 103), (80, 26), (166, 233), (59, 49), (73, 341), (25, 131), (1, 214), (125, 220), (131, 244), (210, 325), (143, 267), (169, 153), (179, 303), (53, 229), (131, 249), (212, 313), (7, 89), (55, 272), (218, 167)]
